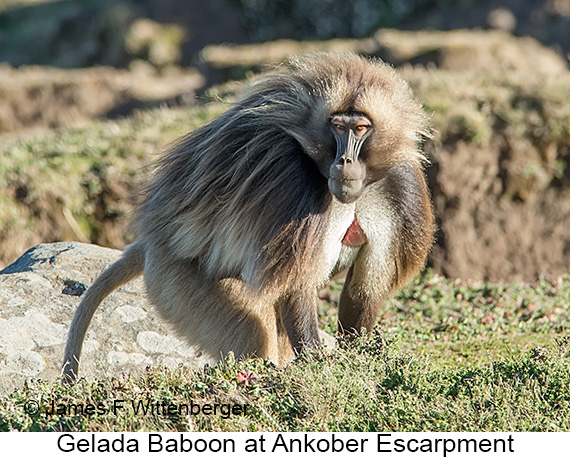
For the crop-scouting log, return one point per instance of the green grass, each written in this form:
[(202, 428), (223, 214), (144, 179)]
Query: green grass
[(447, 356)]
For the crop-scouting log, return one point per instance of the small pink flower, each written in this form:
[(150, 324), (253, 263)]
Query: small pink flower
[(246, 377)]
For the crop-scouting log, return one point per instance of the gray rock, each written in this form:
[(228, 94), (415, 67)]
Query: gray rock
[(38, 296)]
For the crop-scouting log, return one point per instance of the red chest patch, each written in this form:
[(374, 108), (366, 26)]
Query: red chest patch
[(354, 236)]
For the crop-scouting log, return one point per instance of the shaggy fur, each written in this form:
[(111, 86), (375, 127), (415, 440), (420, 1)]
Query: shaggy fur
[(237, 228)]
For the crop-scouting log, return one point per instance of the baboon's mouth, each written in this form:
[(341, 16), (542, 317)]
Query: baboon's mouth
[(346, 190)]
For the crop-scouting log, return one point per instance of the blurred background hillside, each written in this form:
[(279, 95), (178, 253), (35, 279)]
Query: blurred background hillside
[(77, 33), (92, 90)]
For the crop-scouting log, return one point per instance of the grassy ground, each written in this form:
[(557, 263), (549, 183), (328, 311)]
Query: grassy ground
[(448, 356)]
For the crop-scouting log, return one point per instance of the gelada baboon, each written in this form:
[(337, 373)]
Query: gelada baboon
[(317, 168)]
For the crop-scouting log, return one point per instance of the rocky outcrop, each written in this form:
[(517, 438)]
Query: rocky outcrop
[(38, 296)]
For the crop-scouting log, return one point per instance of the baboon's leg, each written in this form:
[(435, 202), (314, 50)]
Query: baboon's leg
[(299, 315), (396, 216), (219, 316), (368, 282), (358, 308)]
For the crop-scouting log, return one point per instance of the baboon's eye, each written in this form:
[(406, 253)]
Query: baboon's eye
[(340, 128), (360, 130)]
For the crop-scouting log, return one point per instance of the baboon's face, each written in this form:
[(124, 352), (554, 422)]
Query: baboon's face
[(347, 174)]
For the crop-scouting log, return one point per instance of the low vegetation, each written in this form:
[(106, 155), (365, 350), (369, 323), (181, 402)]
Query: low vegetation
[(448, 356)]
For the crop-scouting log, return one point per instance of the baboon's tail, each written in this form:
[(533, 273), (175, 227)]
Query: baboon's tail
[(128, 267)]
